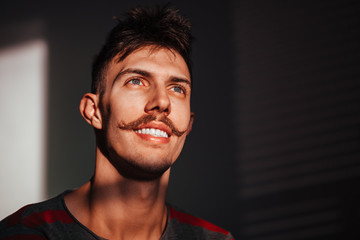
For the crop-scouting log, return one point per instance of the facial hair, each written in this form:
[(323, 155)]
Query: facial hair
[(138, 169), (148, 118)]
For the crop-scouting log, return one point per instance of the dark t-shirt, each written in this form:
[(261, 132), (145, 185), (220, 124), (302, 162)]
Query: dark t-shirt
[(52, 220)]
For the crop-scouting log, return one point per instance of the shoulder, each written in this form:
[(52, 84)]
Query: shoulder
[(33, 221), (182, 225)]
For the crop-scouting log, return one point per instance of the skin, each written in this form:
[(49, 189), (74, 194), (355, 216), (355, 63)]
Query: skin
[(126, 197)]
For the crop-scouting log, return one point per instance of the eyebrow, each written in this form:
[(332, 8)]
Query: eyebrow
[(131, 70), (148, 74), (180, 80)]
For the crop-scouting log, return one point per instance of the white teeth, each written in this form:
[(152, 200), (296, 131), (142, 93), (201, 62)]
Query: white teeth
[(152, 131)]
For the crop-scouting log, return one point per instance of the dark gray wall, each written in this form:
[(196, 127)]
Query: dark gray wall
[(298, 106)]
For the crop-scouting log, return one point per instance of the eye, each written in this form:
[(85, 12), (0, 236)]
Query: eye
[(178, 89), (136, 81)]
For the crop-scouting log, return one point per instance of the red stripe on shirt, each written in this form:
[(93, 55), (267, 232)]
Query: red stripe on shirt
[(15, 218), (24, 237), (195, 221), (48, 216)]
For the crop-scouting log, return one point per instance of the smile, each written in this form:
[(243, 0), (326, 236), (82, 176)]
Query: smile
[(153, 132)]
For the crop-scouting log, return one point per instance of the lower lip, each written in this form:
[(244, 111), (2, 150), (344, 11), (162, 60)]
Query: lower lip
[(151, 138)]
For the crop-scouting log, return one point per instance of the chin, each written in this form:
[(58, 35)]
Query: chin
[(140, 171), (142, 168)]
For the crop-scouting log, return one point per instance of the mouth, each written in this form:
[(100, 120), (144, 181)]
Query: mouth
[(153, 132)]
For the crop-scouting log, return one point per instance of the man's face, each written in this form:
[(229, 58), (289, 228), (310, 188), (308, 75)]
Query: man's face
[(146, 110)]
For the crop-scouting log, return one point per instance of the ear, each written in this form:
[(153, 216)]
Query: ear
[(192, 115), (90, 111)]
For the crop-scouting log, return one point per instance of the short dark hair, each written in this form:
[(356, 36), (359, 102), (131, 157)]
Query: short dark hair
[(160, 26)]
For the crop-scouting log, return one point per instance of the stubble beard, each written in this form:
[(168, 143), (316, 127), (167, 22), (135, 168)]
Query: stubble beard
[(137, 165), (140, 167)]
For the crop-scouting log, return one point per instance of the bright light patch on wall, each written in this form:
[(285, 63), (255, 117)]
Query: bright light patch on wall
[(23, 84)]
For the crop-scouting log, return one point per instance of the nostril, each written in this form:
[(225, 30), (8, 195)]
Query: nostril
[(159, 109)]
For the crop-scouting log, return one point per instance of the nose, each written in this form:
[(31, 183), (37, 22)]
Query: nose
[(159, 101)]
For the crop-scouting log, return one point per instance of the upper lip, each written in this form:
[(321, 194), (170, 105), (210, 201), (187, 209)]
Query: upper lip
[(157, 125)]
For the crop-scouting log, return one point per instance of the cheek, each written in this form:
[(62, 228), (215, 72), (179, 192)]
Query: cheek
[(127, 107), (180, 114)]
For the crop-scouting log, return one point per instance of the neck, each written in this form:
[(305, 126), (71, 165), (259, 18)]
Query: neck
[(115, 207)]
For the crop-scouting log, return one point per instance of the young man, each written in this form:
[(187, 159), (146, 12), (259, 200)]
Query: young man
[(139, 108)]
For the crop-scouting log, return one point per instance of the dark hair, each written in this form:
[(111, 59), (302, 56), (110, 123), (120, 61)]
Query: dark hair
[(160, 26)]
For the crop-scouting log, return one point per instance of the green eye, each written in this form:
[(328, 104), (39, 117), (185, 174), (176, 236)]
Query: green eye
[(136, 82), (178, 89)]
